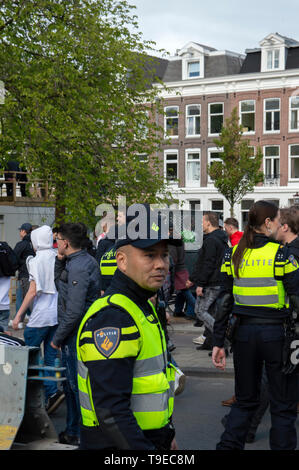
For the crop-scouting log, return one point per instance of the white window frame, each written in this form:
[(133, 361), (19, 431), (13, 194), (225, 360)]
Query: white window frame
[(266, 49), (143, 157), (290, 114), (165, 121), (272, 111), (175, 160), (290, 162), (217, 114), (272, 157), (195, 61), (185, 67), (188, 183), (247, 112), (212, 150), (142, 131), (274, 64), (194, 126)]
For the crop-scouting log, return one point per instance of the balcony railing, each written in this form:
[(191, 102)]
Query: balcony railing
[(272, 180), (22, 186)]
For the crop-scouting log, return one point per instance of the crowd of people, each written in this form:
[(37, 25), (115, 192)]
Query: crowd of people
[(101, 307)]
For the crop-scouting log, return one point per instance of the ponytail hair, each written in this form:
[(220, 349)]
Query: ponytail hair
[(259, 212)]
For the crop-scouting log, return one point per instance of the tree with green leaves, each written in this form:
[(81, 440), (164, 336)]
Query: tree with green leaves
[(80, 109), (238, 170)]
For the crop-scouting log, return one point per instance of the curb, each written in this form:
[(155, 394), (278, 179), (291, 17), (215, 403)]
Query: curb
[(190, 332), (208, 372)]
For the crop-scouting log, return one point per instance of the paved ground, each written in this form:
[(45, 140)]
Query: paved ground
[(189, 359)]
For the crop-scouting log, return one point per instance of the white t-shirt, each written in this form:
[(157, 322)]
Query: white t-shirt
[(4, 293), (44, 311)]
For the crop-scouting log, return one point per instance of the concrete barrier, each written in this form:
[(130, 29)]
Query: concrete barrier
[(24, 422)]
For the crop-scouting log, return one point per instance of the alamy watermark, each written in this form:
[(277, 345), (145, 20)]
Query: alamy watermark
[(141, 221), (294, 358)]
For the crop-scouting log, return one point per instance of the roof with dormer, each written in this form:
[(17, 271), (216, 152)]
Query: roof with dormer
[(252, 62)]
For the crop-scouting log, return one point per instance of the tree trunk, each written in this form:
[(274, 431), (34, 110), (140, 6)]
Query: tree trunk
[(60, 208), (232, 212)]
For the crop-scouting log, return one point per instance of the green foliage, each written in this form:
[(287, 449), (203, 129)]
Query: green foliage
[(238, 171), (76, 94)]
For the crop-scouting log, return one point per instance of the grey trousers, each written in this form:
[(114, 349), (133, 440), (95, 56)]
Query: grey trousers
[(201, 308)]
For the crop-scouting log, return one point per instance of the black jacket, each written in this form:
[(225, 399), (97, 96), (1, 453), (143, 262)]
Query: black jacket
[(293, 248), (103, 246), (77, 282), (111, 380), (23, 249), (206, 271)]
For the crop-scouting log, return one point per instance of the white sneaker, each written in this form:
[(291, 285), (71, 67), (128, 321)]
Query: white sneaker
[(179, 382), (199, 340)]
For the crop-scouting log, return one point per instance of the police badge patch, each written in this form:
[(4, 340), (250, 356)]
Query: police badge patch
[(292, 260), (107, 340)]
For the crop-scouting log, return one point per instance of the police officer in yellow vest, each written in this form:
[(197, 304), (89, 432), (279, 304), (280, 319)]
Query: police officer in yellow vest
[(126, 382), (257, 276), (108, 266)]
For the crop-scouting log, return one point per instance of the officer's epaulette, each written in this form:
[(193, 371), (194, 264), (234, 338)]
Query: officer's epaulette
[(282, 253), (228, 254)]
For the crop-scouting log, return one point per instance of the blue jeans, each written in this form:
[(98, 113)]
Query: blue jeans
[(37, 336), (4, 317), (182, 297), (70, 386)]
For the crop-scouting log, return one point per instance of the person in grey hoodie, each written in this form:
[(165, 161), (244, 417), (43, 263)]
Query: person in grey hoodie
[(77, 278)]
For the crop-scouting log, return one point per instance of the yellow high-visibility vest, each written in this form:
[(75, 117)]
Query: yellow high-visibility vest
[(153, 377), (260, 281)]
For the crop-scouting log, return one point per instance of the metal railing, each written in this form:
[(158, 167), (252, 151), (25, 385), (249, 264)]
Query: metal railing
[(22, 186), (272, 180)]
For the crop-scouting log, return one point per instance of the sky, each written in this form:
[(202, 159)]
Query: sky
[(223, 24)]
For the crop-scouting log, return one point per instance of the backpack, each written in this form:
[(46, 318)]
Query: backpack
[(8, 260)]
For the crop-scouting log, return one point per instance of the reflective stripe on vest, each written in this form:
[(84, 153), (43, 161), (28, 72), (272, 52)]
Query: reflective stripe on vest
[(153, 379), (256, 285), (108, 264)]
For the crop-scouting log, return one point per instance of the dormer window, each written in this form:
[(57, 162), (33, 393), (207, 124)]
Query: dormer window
[(193, 69), (193, 60), (273, 59), (273, 53)]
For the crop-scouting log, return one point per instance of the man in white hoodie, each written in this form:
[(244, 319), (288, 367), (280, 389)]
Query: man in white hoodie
[(42, 292)]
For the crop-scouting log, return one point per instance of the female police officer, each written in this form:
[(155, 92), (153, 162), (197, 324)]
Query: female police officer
[(257, 274)]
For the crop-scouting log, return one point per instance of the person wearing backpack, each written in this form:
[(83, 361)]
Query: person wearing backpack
[(23, 249), (8, 267)]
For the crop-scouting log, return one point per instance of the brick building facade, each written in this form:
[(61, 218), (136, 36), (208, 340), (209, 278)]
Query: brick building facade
[(203, 87)]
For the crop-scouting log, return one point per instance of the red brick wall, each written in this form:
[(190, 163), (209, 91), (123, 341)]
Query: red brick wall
[(230, 100)]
